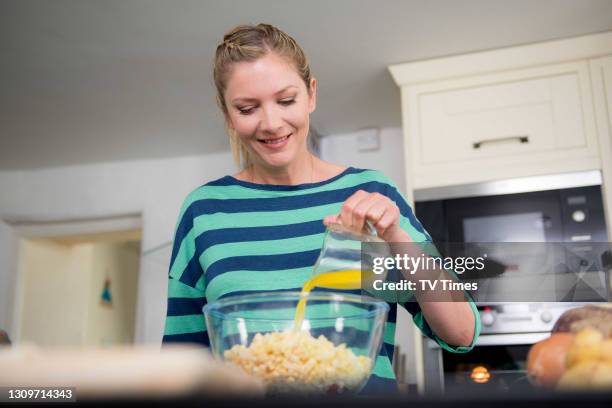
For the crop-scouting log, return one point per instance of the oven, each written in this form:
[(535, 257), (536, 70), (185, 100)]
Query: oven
[(548, 209)]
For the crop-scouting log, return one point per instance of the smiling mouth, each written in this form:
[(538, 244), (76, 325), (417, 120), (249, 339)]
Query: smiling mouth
[(275, 141)]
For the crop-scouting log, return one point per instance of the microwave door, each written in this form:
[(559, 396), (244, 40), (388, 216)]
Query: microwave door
[(524, 217), (512, 218)]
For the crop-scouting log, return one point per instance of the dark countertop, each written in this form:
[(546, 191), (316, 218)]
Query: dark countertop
[(516, 399)]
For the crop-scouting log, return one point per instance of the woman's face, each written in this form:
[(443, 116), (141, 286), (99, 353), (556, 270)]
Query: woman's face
[(268, 107)]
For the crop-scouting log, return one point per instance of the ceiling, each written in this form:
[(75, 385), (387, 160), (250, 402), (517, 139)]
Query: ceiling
[(85, 81)]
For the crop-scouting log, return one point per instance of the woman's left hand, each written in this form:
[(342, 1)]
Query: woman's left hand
[(381, 211)]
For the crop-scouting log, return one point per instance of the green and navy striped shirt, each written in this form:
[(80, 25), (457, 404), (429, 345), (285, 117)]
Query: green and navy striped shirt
[(236, 237)]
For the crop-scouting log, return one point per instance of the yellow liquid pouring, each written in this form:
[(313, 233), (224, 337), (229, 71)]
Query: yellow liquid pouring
[(347, 279)]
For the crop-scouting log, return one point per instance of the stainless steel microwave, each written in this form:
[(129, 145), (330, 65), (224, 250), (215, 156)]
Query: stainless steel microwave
[(546, 235), (558, 208)]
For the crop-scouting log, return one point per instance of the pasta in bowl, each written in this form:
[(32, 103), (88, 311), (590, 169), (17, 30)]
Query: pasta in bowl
[(332, 351)]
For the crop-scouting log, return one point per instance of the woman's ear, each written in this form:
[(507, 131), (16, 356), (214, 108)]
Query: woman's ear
[(224, 109), (312, 100)]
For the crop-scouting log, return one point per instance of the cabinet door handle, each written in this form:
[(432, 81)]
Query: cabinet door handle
[(520, 139)]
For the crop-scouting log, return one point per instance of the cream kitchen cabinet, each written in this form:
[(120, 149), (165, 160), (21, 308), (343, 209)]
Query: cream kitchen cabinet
[(601, 75), (507, 113)]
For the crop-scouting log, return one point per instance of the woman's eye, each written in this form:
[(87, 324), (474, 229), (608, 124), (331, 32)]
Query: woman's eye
[(245, 111), (287, 101)]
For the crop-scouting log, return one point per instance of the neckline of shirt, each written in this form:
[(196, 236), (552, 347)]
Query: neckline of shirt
[(284, 187)]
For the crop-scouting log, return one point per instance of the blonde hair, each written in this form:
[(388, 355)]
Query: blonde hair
[(249, 43)]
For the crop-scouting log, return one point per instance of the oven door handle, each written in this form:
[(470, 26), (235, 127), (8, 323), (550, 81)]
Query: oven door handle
[(510, 339)]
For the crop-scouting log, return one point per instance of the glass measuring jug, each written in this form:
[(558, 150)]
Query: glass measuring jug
[(344, 260)]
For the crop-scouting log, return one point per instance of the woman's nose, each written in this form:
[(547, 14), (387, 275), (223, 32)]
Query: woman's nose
[(271, 120)]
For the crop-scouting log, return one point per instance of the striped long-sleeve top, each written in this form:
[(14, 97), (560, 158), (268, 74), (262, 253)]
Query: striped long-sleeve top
[(236, 237)]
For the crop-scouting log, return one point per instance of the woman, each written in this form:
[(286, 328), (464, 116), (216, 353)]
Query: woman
[(262, 228)]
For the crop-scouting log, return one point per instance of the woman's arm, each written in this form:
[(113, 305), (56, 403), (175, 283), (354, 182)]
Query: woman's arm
[(453, 322), (184, 319), (186, 295), (449, 314)]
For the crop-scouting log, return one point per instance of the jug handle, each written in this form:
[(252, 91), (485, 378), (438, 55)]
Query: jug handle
[(370, 228)]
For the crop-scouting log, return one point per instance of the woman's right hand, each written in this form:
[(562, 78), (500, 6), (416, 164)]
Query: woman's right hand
[(378, 209)]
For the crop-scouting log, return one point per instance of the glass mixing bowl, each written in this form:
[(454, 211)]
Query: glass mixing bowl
[(332, 352)]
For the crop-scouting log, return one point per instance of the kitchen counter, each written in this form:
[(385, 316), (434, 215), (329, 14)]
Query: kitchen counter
[(518, 399)]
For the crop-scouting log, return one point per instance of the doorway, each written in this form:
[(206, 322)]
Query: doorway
[(78, 289)]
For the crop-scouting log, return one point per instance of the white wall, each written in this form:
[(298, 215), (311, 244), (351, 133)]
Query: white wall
[(388, 158), (153, 188)]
